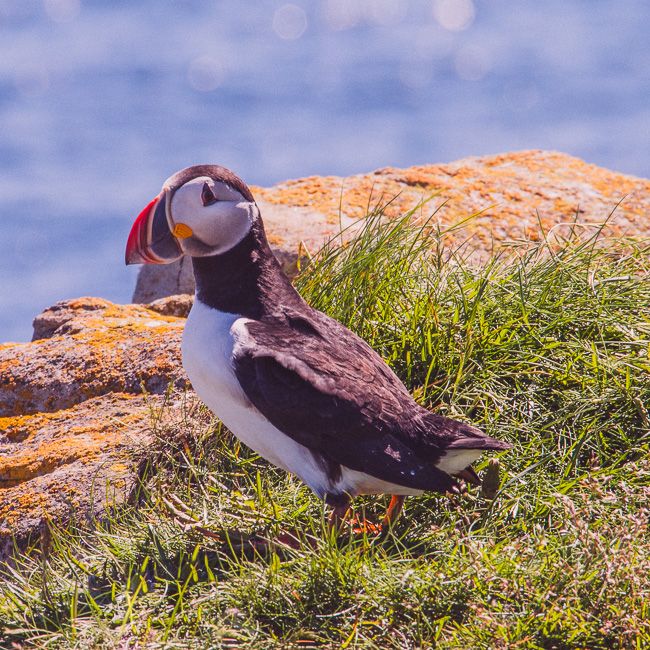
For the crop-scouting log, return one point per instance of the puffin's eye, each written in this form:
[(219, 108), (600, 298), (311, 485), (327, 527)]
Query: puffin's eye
[(207, 196)]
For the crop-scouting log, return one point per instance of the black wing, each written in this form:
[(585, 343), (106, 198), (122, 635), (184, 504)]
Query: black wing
[(327, 389)]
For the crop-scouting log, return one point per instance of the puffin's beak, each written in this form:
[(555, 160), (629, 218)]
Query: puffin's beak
[(150, 240)]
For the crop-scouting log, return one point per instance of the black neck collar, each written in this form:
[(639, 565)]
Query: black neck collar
[(245, 280)]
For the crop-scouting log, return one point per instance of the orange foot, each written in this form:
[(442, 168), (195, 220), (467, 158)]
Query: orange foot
[(364, 526)]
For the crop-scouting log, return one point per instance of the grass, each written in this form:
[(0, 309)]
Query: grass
[(546, 345)]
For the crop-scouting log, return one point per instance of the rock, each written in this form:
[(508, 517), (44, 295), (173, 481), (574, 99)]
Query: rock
[(68, 464), (93, 352), (178, 306), (48, 321), (514, 193), (73, 408), (160, 280)]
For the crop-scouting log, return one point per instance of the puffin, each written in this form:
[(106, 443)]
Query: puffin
[(291, 383)]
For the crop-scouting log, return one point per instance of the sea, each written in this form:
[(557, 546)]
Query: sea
[(100, 101)]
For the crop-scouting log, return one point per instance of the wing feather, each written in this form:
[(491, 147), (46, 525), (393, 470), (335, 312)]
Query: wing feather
[(327, 389)]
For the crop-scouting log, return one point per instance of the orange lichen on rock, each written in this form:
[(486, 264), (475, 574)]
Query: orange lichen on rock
[(511, 189), (68, 463), (91, 352), (72, 408), (47, 441)]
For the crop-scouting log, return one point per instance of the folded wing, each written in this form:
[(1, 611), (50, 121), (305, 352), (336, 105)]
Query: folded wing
[(335, 395)]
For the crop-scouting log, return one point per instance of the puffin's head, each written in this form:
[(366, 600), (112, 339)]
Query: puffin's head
[(202, 210)]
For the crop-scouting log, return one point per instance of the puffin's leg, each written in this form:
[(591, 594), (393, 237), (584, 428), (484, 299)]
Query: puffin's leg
[(339, 511), (394, 508)]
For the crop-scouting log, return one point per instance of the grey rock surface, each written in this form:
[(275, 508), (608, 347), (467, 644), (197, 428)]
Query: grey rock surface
[(161, 280)]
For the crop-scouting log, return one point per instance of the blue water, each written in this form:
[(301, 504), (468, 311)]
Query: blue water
[(101, 101)]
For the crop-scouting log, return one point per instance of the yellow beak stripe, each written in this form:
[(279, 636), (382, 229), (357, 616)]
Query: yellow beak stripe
[(182, 231)]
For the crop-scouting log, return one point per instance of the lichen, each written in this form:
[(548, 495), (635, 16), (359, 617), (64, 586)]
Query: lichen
[(513, 188)]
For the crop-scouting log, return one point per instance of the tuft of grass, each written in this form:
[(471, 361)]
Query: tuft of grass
[(546, 345)]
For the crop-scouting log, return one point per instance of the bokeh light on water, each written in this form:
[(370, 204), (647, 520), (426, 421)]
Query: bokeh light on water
[(289, 22), (205, 73), (102, 100), (454, 15)]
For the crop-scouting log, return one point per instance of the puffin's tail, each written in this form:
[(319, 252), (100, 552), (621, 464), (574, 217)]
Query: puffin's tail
[(474, 443), (452, 434), (461, 445), (478, 440)]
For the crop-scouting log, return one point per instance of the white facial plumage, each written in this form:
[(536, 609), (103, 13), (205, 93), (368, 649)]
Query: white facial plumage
[(213, 228)]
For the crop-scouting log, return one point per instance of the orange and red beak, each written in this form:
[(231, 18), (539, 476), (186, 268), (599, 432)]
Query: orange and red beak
[(150, 240)]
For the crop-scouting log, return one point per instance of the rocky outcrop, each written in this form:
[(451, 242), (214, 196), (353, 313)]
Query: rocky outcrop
[(97, 348), (69, 463), (514, 194), (77, 403)]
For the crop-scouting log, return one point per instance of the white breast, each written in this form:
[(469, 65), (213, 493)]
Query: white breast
[(207, 358)]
